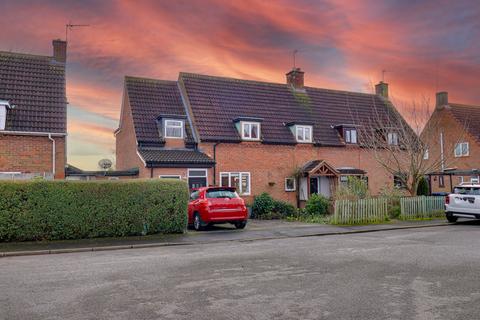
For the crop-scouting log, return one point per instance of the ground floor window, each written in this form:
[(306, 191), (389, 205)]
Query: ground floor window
[(441, 181), (239, 180), (170, 176), (197, 178), (399, 180), (290, 184)]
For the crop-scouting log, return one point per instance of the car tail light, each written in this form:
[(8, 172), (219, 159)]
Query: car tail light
[(447, 199)]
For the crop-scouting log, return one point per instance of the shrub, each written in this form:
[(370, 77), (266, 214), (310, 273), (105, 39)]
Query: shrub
[(265, 207), (423, 188), (37, 210), (317, 205), (262, 205), (354, 189)]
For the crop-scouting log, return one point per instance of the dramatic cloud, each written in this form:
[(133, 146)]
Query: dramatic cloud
[(424, 46)]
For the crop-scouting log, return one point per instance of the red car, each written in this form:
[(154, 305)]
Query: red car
[(212, 205)]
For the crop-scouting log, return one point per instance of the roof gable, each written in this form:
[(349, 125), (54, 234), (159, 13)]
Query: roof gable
[(150, 99), (35, 85)]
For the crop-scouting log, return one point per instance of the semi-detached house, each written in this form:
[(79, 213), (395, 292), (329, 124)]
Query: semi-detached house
[(33, 114), (289, 140)]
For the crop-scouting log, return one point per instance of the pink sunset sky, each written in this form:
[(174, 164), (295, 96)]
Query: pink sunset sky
[(425, 46)]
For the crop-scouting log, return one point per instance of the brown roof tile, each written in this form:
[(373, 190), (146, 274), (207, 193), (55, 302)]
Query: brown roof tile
[(35, 85), (469, 116)]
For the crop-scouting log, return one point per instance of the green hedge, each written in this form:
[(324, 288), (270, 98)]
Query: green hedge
[(38, 210)]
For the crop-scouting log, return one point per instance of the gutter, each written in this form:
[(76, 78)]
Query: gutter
[(53, 153), (30, 133)]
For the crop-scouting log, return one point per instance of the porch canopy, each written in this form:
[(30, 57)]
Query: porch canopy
[(450, 173), (319, 177)]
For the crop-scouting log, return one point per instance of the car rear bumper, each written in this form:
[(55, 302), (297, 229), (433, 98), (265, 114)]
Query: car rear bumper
[(463, 215)]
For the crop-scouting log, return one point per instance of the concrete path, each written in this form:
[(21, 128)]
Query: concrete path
[(256, 230)]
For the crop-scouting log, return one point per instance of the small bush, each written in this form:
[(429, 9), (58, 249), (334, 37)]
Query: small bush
[(262, 205), (394, 211), (423, 188), (317, 205), (265, 207), (52, 210), (354, 189)]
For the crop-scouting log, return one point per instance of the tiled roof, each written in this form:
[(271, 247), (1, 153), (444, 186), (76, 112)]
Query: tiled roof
[(469, 116), (35, 85), (179, 157), (150, 99), (217, 101)]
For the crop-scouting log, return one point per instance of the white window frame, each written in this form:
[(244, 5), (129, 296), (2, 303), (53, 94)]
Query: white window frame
[(461, 154), (173, 126), (474, 180), (240, 174), (303, 128), (294, 184), (392, 138), (3, 116), (170, 176), (349, 138), (251, 124), (426, 154)]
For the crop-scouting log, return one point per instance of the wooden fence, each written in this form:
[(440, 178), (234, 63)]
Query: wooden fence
[(374, 210), (421, 207)]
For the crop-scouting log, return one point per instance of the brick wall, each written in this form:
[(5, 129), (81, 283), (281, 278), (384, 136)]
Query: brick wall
[(453, 132), (269, 165), (31, 154)]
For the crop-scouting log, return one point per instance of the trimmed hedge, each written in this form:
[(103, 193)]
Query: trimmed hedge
[(52, 210)]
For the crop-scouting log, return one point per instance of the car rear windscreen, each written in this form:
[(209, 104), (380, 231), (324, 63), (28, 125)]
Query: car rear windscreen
[(221, 193), (467, 190)]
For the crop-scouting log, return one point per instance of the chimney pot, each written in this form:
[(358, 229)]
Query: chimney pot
[(59, 50), (381, 89), (442, 99), (295, 78)]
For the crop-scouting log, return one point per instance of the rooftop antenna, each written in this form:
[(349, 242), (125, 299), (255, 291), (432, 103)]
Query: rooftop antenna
[(294, 58), (383, 75), (70, 26)]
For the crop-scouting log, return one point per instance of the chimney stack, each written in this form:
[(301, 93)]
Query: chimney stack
[(442, 99), (295, 78), (381, 89), (59, 50)]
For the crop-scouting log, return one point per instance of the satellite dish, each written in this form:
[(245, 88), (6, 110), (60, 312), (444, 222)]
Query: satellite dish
[(105, 164)]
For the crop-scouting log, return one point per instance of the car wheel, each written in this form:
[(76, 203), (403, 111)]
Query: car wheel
[(451, 218), (241, 224), (197, 222)]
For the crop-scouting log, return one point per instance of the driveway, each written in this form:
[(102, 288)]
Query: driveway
[(429, 273)]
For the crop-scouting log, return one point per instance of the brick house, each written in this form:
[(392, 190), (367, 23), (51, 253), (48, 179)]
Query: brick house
[(33, 114), (289, 140), (455, 139)]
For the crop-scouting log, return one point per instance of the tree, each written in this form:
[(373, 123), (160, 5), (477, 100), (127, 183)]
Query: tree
[(403, 148)]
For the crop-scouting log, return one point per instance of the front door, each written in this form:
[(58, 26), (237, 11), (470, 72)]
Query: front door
[(324, 189), (313, 185)]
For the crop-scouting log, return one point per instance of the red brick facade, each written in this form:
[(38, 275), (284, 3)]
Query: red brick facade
[(32, 154), (453, 132)]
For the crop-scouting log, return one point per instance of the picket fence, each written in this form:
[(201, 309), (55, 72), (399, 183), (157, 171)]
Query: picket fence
[(421, 207), (374, 210)]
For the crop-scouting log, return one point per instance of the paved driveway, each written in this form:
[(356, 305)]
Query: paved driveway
[(429, 273)]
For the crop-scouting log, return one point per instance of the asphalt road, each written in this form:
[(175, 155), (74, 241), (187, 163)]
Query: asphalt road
[(430, 273)]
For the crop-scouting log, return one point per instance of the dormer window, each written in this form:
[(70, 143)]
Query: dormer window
[(173, 129), (250, 130), (303, 133), (392, 138), (350, 136)]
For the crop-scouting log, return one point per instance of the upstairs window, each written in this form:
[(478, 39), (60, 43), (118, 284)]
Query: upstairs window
[(174, 129), (426, 155), (350, 136), (3, 116), (303, 133), (462, 149), (250, 131), (392, 138)]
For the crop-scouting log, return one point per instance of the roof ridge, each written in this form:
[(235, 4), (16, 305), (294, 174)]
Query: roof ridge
[(25, 54), (463, 105), (150, 79), (199, 75)]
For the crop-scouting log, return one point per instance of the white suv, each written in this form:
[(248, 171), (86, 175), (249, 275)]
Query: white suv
[(464, 202)]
